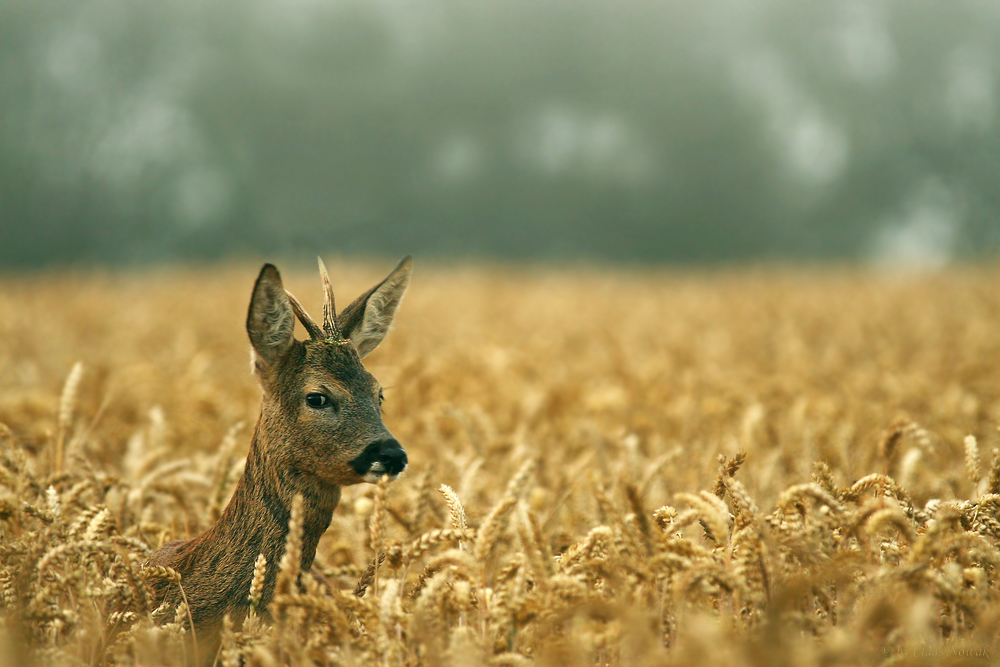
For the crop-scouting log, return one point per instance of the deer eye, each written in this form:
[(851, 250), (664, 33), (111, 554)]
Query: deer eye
[(316, 400), (381, 397)]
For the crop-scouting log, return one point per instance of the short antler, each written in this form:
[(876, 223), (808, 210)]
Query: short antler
[(314, 330), (329, 306)]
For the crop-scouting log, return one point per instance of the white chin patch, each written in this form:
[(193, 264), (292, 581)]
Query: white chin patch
[(377, 471), (373, 477)]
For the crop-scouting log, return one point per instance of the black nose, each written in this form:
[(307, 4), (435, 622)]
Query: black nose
[(381, 457), (393, 458)]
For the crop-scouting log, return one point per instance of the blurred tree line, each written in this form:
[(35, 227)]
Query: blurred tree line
[(632, 130)]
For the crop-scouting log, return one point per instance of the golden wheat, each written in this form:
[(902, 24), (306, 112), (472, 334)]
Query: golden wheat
[(635, 468)]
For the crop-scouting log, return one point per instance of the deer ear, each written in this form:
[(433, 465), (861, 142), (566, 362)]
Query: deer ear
[(270, 320), (366, 321)]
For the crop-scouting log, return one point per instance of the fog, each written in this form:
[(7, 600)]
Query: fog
[(626, 131)]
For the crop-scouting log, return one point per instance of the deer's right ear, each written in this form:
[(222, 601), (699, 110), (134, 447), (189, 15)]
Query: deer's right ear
[(270, 320)]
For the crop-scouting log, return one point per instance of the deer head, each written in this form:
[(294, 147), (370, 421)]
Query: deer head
[(321, 415)]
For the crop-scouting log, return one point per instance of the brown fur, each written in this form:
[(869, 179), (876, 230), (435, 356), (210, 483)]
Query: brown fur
[(295, 449)]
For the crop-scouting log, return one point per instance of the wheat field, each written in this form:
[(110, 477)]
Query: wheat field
[(607, 467)]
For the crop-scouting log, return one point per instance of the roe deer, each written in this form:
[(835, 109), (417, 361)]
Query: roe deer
[(320, 428)]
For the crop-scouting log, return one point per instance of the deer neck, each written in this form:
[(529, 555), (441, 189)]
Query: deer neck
[(256, 519)]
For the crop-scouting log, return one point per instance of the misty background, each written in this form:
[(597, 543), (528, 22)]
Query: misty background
[(633, 130)]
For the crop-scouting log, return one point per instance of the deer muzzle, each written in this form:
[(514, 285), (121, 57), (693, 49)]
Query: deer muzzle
[(383, 457)]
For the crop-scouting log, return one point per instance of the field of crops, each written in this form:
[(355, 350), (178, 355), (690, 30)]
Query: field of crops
[(755, 466)]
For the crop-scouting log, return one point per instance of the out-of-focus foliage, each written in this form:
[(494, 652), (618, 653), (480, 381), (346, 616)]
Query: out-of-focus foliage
[(620, 130)]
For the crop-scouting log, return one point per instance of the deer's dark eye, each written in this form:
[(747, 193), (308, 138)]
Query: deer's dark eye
[(317, 400), (381, 397)]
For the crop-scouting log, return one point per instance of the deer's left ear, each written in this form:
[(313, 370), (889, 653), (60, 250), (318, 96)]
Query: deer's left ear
[(366, 321)]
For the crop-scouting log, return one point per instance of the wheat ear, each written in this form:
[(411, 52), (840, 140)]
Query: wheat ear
[(67, 405), (291, 560), (376, 527)]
